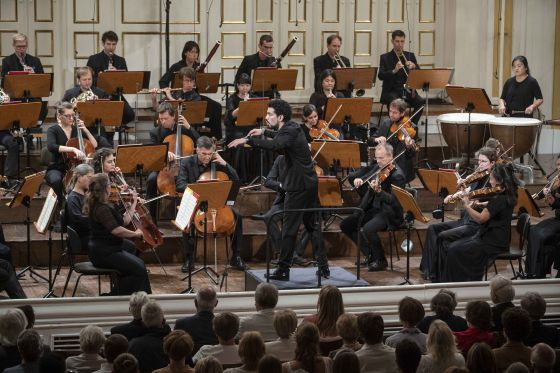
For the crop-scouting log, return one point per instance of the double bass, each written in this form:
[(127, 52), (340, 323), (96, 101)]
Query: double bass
[(78, 142)]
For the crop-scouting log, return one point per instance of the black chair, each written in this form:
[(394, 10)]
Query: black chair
[(514, 253)]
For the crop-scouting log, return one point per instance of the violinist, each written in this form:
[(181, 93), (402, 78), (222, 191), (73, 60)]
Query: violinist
[(191, 169), (187, 93), (57, 137), (77, 189), (521, 94), (381, 207), (110, 245), (324, 90), (439, 236), (467, 257), (331, 59), (399, 140), (263, 58), (543, 236), (189, 58), (310, 120)]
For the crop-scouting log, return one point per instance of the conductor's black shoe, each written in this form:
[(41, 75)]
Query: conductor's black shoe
[(378, 265), (237, 263), (324, 272), (279, 274), (185, 266), (365, 262)]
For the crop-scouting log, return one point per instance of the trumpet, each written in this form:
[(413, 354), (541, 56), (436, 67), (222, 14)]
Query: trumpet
[(339, 61)]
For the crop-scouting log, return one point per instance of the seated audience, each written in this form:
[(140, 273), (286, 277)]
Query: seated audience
[(442, 351), (91, 341), (114, 345), (225, 326), (516, 326), (285, 324), (535, 305), (199, 325), (442, 305), (134, 328), (411, 312), (347, 329), (208, 364), (456, 370), (480, 359), (307, 356), (543, 358), (12, 323), (346, 361), (479, 319), (408, 356), (266, 298), (30, 346), (269, 364), (177, 346), (125, 363), (148, 349), (29, 314), (501, 294), (251, 350), (51, 362), (517, 368), (374, 356)]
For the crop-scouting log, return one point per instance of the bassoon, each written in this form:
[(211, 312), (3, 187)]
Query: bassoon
[(284, 52), (209, 57)]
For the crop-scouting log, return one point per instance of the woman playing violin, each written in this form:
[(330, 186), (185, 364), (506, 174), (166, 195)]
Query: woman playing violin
[(74, 216), (467, 257), (313, 126)]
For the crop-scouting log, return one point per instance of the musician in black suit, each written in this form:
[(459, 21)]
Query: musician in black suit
[(191, 168), (329, 60), (381, 208), (263, 58), (393, 71), (107, 59), (300, 183)]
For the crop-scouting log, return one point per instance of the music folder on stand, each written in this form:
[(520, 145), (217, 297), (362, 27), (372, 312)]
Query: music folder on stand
[(139, 158), (442, 182), (193, 111), (359, 78), (272, 79), (98, 113), (43, 224), (28, 85)]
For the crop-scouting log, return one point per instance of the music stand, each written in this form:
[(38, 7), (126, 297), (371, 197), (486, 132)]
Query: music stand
[(353, 110), (22, 197), (412, 212), (138, 158), (346, 154), (425, 80), (441, 182), (193, 111), (211, 195), (273, 79), (351, 78), (28, 85), (16, 116), (43, 224), (119, 82), (100, 113), (207, 82), (526, 204)]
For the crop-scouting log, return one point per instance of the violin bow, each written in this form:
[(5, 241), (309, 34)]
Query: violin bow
[(384, 167), (402, 125), (323, 131)]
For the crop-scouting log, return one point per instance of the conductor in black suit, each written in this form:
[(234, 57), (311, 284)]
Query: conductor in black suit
[(329, 60), (393, 71), (263, 58), (300, 183), (107, 59)]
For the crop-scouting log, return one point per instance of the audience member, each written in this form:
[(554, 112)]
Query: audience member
[(266, 298), (480, 359), (535, 305), (407, 356), (208, 364), (269, 364), (307, 355), (516, 325), (114, 345), (125, 363), (51, 362), (442, 351), (30, 346), (178, 346), (479, 319), (501, 294), (91, 341), (251, 350), (199, 326), (517, 368), (411, 312), (329, 307), (29, 314), (374, 356), (148, 349), (442, 305), (456, 370), (134, 328), (12, 323), (543, 358), (347, 329), (285, 324), (346, 361), (225, 326)]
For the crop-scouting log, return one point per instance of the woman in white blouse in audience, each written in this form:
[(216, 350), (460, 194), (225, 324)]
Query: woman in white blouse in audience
[(442, 350), (285, 324)]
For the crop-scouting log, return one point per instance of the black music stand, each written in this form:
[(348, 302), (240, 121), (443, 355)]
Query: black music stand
[(23, 196), (273, 79), (360, 78), (441, 182), (43, 224), (253, 113), (425, 80), (100, 113), (138, 158), (28, 86)]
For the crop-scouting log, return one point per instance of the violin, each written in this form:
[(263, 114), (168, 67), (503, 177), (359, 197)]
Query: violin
[(383, 175), (479, 193), (405, 130), (474, 177), (551, 185), (318, 131)]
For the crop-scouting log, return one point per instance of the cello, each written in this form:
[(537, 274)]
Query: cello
[(78, 142)]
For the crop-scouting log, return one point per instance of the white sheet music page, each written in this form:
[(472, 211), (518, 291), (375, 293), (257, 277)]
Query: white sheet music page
[(44, 219), (186, 210)]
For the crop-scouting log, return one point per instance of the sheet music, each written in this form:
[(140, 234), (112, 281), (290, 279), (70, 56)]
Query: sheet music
[(187, 208), (44, 219)]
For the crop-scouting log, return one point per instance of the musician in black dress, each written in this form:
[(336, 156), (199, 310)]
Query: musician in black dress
[(467, 257), (107, 59), (74, 215), (521, 94), (393, 71), (310, 119), (324, 90), (381, 208), (191, 169), (109, 246), (331, 59), (543, 236), (300, 184), (57, 137), (263, 58)]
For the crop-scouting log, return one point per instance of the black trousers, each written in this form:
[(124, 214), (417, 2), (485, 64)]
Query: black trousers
[(12, 146), (415, 101), (274, 232), (214, 115), (374, 221), (9, 281), (151, 192), (542, 237), (54, 179)]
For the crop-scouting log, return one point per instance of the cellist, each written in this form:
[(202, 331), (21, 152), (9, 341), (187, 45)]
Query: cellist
[(191, 169)]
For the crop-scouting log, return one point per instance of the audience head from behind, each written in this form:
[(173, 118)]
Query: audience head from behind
[(371, 327), (92, 339), (29, 314), (226, 326), (501, 290), (346, 361), (137, 300), (178, 345), (479, 315), (251, 350), (152, 315), (329, 307), (209, 364), (443, 304), (480, 359), (114, 345), (52, 362), (441, 341), (307, 346), (285, 323), (347, 328), (206, 299), (411, 312), (269, 364), (543, 358), (534, 304), (30, 345), (517, 368), (125, 363), (516, 323), (12, 323), (408, 355), (455, 369), (266, 296)]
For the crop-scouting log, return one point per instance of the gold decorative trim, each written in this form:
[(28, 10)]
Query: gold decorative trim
[(431, 20), (259, 33), (427, 65), (48, 68), (420, 50), (196, 36), (225, 21), (271, 16), (301, 68), (389, 20), (324, 35), (96, 19), (363, 65), (496, 49), (41, 19), (11, 32), (88, 33), (556, 73), (356, 33), (292, 20), (302, 36), (37, 32), (243, 50), (364, 20), (323, 13), (10, 20)]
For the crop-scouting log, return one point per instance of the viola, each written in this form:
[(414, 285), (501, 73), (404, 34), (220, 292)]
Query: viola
[(383, 175), (405, 130), (474, 177), (479, 193), (318, 131)]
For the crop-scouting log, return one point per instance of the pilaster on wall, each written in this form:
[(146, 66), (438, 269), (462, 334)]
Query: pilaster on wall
[(556, 77)]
